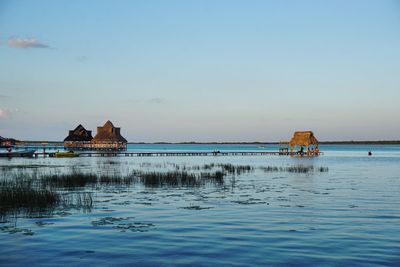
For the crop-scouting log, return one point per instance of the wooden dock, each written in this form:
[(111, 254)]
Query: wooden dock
[(175, 154)]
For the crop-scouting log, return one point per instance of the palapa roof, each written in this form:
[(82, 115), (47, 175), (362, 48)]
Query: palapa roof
[(109, 133), (303, 138), (79, 134)]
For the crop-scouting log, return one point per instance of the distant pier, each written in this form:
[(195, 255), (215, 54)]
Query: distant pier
[(49, 150), (174, 154)]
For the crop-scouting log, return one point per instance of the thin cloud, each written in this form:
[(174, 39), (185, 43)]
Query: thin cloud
[(154, 100), (3, 96), (25, 43), (4, 113)]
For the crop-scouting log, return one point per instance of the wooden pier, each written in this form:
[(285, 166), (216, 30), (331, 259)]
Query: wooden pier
[(175, 154)]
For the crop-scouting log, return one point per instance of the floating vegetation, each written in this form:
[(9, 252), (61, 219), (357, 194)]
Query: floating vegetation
[(196, 208), (295, 169), (250, 201), (14, 230), (109, 220), (134, 227), (42, 223), (122, 224)]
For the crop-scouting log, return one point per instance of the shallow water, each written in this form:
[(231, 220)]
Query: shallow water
[(348, 216)]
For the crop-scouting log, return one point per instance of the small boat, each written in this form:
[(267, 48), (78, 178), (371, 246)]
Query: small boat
[(17, 154), (68, 154)]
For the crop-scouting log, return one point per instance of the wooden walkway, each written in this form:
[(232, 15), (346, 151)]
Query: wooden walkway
[(175, 154)]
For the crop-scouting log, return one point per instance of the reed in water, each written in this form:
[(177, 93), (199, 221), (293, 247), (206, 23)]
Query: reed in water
[(294, 169)]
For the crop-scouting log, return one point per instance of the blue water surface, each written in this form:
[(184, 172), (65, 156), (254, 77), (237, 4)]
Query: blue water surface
[(346, 216)]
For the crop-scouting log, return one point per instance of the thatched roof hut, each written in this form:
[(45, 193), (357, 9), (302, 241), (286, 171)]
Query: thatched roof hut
[(79, 138), (109, 137), (303, 138), (79, 134)]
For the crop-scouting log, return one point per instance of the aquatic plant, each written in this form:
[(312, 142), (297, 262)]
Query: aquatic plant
[(227, 167), (323, 169), (236, 169), (180, 178), (116, 180), (73, 180), (217, 177), (175, 178), (77, 200), (294, 169), (27, 191), (22, 194), (31, 196)]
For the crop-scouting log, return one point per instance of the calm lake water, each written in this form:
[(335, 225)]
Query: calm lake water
[(346, 216)]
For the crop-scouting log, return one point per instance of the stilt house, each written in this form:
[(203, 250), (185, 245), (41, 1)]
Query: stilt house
[(109, 137), (303, 139), (80, 138), (7, 142)]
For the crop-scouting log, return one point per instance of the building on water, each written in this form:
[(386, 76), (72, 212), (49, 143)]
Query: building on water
[(109, 137), (80, 138), (303, 139), (7, 142)]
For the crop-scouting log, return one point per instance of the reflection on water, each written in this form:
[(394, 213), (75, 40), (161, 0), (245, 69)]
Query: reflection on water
[(338, 209)]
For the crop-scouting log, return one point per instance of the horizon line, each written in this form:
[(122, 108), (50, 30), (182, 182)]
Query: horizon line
[(239, 142)]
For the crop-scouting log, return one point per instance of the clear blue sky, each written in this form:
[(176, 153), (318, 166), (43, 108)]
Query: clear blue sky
[(201, 70)]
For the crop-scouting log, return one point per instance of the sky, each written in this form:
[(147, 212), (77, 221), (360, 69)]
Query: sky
[(218, 70)]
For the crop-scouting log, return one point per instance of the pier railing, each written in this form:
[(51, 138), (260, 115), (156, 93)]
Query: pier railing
[(176, 153)]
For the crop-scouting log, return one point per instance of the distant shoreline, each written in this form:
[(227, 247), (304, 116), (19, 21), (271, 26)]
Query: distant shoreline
[(389, 142), (381, 142)]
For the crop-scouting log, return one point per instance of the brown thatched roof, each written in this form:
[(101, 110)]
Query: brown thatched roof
[(109, 133), (303, 138), (79, 134)]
